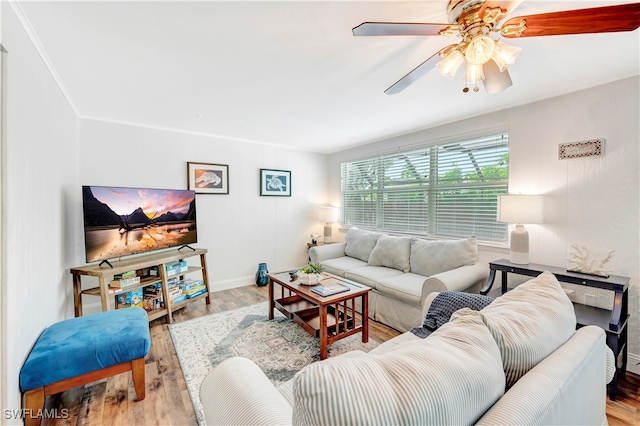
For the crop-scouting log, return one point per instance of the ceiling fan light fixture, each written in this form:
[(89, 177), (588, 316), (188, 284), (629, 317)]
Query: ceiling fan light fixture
[(505, 55), (474, 74), (480, 49), (450, 64), (488, 59)]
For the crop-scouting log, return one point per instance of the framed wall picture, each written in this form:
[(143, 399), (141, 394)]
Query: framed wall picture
[(206, 178), (276, 183)]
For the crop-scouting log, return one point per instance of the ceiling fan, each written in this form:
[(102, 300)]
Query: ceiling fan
[(487, 59)]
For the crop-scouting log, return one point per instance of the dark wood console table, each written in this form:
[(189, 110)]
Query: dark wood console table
[(614, 321)]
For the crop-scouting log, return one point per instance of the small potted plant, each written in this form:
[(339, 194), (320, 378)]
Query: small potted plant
[(310, 274), (314, 238)]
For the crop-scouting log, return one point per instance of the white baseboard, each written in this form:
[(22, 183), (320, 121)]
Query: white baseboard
[(633, 363), (93, 308), (233, 283)]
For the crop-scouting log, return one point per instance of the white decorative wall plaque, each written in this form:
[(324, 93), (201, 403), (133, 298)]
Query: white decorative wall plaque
[(583, 149)]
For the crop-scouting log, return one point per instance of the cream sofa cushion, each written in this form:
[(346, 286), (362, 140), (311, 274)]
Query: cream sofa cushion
[(452, 377), (391, 252), (530, 322), (371, 275), (360, 243), (432, 257), (340, 265), (406, 288)]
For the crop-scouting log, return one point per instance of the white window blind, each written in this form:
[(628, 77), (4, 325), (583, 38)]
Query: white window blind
[(447, 190)]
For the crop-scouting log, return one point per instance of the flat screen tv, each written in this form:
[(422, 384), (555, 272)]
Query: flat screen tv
[(125, 221)]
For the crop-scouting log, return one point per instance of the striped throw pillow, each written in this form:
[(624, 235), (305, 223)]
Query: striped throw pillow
[(451, 377), (530, 322)]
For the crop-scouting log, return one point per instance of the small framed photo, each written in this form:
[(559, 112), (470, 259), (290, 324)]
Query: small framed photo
[(276, 183), (206, 178)]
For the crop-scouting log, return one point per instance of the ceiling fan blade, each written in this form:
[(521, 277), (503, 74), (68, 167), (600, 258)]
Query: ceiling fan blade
[(508, 5), (398, 28), (624, 17), (416, 73), (494, 80)]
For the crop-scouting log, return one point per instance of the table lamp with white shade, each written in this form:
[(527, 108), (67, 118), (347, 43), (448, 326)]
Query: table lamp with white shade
[(328, 215), (520, 209)]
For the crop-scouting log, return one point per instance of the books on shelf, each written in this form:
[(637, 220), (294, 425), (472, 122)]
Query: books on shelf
[(155, 288), (129, 299), (124, 282), (194, 290), (176, 267), (174, 292), (151, 303), (150, 296), (153, 298), (203, 290), (191, 287), (330, 287), (180, 298), (151, 272), (190, 284), (122, 275)]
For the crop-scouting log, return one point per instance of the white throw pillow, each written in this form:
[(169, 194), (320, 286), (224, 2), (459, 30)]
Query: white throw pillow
[(529, 323), (360, 243), (432, 257), (451, 377), (392, 252)]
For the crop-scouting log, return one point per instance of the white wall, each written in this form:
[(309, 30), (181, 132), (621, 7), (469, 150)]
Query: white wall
[(40, 169), (241, 229), (590, 202)]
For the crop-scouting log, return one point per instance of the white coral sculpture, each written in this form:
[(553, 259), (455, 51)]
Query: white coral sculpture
[(581, 261)]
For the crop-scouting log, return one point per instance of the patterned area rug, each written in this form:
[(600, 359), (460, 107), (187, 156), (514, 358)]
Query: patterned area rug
[(280, 347)]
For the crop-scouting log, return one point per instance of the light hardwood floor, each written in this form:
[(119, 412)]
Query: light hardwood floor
[(112, 401)]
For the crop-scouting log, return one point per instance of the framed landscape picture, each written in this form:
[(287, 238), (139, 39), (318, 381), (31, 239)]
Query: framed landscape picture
[(276, 183), (206, 178)]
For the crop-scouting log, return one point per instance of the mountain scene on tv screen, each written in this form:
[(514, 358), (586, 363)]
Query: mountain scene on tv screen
[(124, 221)]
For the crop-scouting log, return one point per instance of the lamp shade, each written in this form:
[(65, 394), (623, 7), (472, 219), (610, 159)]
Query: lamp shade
[(328, 214), (480, 49), (450, 64), (520, 208), (474, 74), (505, 55)]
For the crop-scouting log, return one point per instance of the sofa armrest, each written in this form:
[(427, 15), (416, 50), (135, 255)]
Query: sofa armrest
[(328, 251), (237, 392), (459, 279), (611, 365), (428, 301)]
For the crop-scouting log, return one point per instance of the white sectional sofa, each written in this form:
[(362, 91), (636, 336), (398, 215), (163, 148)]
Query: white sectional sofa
[(517, 361), (402, 271)]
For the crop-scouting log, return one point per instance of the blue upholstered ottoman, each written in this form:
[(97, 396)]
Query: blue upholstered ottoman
[(81, 350)]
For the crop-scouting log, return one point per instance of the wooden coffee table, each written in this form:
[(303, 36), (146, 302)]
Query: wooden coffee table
[(329, 318)]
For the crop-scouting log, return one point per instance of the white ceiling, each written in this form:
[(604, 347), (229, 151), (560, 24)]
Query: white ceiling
[(290, 73)]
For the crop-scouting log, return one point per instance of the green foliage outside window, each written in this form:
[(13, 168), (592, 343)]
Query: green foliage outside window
[(441, 190)]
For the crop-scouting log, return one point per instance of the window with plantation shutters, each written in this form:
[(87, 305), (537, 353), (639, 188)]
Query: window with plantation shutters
[(447, 190)]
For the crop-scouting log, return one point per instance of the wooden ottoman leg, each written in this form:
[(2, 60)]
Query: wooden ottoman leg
[(137, 372), (33, 403)]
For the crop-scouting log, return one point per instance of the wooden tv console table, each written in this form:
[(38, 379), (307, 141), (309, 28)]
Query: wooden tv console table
[(614, 321), (105, 273)]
